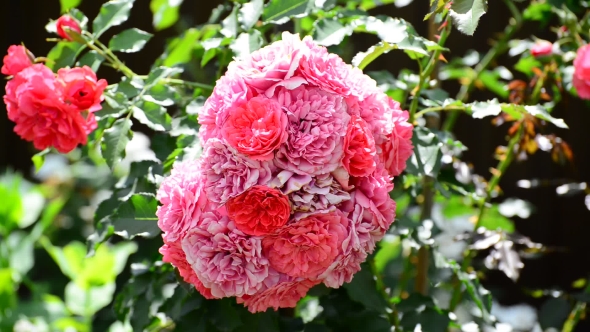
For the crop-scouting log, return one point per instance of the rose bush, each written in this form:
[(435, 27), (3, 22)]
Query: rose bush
[(262, 176)]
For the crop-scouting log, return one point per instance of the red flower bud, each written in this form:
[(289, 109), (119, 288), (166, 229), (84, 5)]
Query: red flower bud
[(66, 21), (542, 48)]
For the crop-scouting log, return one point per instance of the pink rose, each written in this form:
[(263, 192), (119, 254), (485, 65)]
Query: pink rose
[(272, 64), (372, 193), (306, 247), (542, 48), (359, 148), (40, 116), (80, 88), (259, 211), (398, 147), (325, 70), (183, 200), (229, 174), (66, 21), (226, 260), (230, 92), (17, 59), (317, 126), (172, 253), (581, 79), (257, 128), (285, 294)]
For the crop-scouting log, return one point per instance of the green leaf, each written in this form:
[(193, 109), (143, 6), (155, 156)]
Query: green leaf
[(63, 54), (91, 59), (165, 13), (114, 105), (329, 31), (538, 12), (389, 249), (427, 155), (115, 140), (363, 289), (223, 315), (129, 41), (87, 302), (466, 14), (137, 217), (153, 116), (246, 43), (182, 49), (112, 13), (526, 64), (69, 4), (38, 159), (482, 109), (7, 293), (279, 11), (250, 13), (492, 82), (158, 74), (229, 26), (494, 220), (20, 247), (540, 112), (429, 319)]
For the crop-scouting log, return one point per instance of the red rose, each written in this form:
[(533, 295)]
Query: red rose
[(359, 148), (69, 22), (79, 87), (41, 116), (307, 247), (260, 210), (17, 59)]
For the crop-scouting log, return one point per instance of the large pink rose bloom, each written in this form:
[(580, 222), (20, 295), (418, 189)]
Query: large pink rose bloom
[(80, 88), (325, 70), (172, 253), (581, 79), (17, 59), (398, 148), (359, 148), (285, 294), (183, 200), (226, 260), (305, 248), (230, 92), (317, 125), (272, 64), (229, 174), (257, 128)]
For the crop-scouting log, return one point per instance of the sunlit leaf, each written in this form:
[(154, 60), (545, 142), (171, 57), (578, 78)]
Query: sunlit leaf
[(329, 31), (250, 13), (165, 13), (63, 54), (466, 14), (91, 59), (112, 13), (279, 11), (115, 140), (69, 4), (129, 41), (137, 217)]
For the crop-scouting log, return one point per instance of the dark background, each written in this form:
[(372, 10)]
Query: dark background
[(561, 222)]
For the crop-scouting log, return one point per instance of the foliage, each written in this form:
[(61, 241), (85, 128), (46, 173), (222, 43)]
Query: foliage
[(451, 225)]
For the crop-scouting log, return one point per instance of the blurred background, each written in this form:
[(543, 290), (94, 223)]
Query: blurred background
[(560, 222)]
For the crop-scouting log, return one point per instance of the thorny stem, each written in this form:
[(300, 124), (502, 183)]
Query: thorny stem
[(576, 314), (501, 169), (500, 47), (425, 73), (393, 316)]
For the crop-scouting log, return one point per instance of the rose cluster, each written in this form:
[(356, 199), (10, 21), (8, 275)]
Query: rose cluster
[(50, 110), (292, 188)]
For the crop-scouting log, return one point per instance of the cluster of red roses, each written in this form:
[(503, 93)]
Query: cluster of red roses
[(51, 110)]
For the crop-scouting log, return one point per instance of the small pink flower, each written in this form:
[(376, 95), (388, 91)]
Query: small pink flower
[(581, 80), (172, 253), (285, 294), (372, 193), (542, 48), (229, 174), (256, 129), (398, 148), (80, 87), (17, 59), (226, 260), (66, 21), (325, 70), (259, 211), (316, 129), (305, 248), (183, 200), (40, 116), (359, 148)]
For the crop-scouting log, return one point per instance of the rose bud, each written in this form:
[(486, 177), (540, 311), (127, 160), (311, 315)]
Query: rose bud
[(66, 21), (542, 48)]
